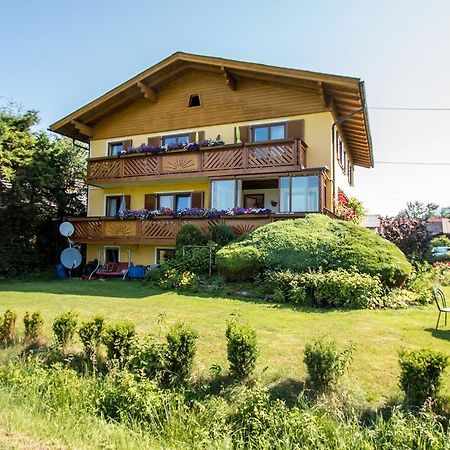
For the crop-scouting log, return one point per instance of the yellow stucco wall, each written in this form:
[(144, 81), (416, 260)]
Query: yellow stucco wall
[(97, 196), (317, 137), (140, 254)]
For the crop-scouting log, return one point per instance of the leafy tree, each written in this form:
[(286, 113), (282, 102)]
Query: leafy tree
[(418, 210), (409, 234), (41, 182)]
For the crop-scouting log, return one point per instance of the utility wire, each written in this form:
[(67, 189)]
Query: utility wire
[(415, 163), (388, 108)]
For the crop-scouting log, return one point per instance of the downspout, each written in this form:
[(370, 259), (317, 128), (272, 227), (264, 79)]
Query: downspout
[(337, 122)]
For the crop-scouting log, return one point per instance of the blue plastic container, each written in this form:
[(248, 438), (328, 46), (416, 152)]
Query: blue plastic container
[(136, 272), (60, 271)]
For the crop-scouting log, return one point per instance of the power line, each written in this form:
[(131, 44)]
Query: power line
[(389, 108), (422, 163)]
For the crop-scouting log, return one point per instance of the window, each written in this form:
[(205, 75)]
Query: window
[(164, 254), (111, 254), (351, 174), (225, 194), (113, 205), (174, 201), (176, 139), (194, 100), (269, 132), (299, 194), (253, 200), (114, 148)]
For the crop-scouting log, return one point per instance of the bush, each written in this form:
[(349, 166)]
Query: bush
[(239, 263), (64, 327), (8, 332), (441, 273), (180, 353), (118, 339), (221, 234), (241, 349), (310, 244), (336, 288), (325, 363), (33, 324), (440, 241), (195, 259), (189, 235), (421, 283), (421, 374), (147, 357), (90, 333)]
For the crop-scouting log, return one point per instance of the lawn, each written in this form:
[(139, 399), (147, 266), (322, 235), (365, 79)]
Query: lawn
[(282, 330)]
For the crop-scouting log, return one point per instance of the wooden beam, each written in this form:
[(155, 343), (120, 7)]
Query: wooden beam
[(148, 92), (82, 128), (230, 80), (323, 96)]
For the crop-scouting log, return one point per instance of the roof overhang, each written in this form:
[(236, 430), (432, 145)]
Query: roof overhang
[(340, 94)]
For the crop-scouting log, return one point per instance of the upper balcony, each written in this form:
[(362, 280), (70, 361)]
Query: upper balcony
[(234, 159)]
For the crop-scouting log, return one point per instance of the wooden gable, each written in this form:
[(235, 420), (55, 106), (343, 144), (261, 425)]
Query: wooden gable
[(252, 100)]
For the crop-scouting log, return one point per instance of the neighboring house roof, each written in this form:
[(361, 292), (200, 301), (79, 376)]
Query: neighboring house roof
[(340, 94), (438, 225)]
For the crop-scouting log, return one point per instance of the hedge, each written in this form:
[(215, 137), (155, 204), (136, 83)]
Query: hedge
[(315, 242)]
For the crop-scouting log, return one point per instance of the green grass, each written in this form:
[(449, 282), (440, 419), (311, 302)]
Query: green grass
[(282, 330)]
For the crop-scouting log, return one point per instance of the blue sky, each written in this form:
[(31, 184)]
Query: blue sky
[(58, 55)]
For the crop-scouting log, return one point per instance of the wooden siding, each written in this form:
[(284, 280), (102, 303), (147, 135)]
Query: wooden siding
[(252, 100), (234, 160)]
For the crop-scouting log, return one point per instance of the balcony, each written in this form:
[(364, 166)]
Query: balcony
[(235, 159), (163, 230)]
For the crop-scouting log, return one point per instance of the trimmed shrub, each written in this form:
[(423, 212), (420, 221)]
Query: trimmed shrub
[(90, 333), (336, 288), (147, 357), (195, 259), (180, 353), (325, 363), (8, 331), (421, 374), (118, 339), (33, 324), (239, 263), (222, 234), (440, 241), (189, 235), (64, 327), (241, 349), (310, 244)]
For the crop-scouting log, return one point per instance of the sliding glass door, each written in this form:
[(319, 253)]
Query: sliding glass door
[(299, 194), (225, 194)]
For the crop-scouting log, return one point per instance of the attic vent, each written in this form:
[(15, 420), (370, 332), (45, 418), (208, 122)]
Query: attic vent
[(194, 100)]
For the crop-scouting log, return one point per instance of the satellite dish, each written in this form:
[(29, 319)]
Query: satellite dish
[(71, 258), (66, 229)]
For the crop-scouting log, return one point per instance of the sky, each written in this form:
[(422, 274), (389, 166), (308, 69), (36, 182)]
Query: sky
[(56, 56)]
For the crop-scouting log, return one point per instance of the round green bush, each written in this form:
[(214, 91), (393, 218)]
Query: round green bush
[(189, 235), (312, 243), (221, 234)]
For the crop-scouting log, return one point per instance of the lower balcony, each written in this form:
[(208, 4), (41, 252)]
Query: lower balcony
[(163, 230)]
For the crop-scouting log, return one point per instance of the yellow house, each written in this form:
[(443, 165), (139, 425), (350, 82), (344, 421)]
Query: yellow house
[(194, 135)]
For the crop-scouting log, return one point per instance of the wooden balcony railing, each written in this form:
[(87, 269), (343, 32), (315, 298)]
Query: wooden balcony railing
[(236, 159), (160, 230)]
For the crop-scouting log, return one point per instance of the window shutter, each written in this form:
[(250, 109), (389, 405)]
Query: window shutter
[(192, 137), (127, 201), (128, 143), (201, 136), (154, 141), (150, 202), (245, 134), (197, 200), (295, 129)]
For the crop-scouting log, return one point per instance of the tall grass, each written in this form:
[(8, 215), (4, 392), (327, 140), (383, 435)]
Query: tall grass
[(120, 411)]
